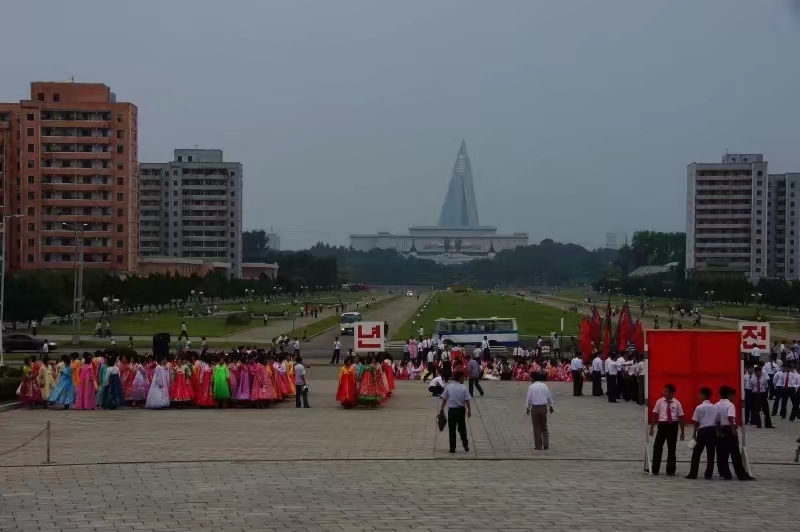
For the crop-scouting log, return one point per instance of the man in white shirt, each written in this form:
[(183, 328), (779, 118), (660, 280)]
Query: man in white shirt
[(576, 365), (611, 379), (597, 376), (748, 394), (705, 418), (537, 403), (437, 386), (300, 383), (668, 415), (183, 333), (794, 393), (431, 368), (755, 356), (770, 368), (337, 350), (486, 349), (780, 381), (640, 379), (728, 444), (421, 333), (760, 403), (623, 390), (457, 399)]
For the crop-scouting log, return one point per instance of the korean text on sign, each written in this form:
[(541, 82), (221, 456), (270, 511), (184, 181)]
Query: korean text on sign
[(754, 334), (369, 336)]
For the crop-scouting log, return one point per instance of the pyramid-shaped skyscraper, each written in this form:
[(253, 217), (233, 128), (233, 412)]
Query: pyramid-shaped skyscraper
[(459, 208), (458, 237)]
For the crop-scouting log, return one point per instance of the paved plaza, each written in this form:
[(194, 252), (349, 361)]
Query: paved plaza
[(327, 468)]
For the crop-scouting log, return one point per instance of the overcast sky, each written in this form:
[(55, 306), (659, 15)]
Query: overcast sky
[(580, 116)]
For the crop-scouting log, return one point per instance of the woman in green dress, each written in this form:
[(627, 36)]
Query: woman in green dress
[(221, 389)]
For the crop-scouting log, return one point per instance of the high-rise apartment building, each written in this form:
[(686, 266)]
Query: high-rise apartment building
[(726, 217), (69, 160), (191, 207), (783, 233)]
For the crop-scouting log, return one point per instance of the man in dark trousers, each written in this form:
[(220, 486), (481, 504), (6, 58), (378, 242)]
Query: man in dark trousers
[(668, 415), (760, 383), (456, 397), (475, 371), (705, 434), (728, 444), (597, 375), (576, 365)]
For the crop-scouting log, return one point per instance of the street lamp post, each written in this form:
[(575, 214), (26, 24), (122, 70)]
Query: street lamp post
[(77, 288), (709, 293), (3, 283)]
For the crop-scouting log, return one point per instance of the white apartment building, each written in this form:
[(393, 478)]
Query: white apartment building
[(727, 218), (783, 233), (191, 207)]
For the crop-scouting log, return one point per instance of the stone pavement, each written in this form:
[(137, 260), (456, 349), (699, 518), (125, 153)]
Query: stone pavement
[(327, 468)]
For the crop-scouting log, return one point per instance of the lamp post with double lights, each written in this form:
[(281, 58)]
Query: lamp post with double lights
[(3, 282), (77, 290)]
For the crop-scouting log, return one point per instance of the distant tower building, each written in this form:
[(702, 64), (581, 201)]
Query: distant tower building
[(459, 208), (611, 240)]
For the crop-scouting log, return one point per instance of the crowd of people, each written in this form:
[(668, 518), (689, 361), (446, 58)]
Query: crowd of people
[(367, 381), (241, 377)]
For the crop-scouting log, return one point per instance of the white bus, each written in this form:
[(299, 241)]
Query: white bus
[(470, 331)]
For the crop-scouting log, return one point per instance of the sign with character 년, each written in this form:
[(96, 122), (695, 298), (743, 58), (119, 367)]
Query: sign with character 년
[(754, 334), (368, 336)]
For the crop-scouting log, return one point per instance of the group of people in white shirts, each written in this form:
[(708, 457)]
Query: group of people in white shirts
[(773, 381)]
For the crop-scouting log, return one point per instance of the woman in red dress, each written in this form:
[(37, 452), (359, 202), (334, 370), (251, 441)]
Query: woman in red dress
[(346, 392), (388, 370), (181, 387), (205, 374)]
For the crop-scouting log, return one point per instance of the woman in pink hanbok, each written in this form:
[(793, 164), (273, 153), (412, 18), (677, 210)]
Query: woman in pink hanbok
[(242, 390), (137, 393), (85, 398), (263, 390)]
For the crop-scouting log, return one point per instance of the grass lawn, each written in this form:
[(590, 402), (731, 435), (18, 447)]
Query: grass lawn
[(148, 325), (533, 319)]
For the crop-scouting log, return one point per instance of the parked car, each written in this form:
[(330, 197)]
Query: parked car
[(24, 342)]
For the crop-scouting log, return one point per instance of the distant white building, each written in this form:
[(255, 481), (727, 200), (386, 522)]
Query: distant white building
[(611, 240), (458, 237)]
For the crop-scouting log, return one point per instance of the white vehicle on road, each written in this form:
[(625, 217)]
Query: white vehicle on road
[(347, 322), (410, 294)]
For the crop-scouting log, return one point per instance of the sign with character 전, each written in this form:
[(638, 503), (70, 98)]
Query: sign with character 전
[(754, 334), (369, 337)]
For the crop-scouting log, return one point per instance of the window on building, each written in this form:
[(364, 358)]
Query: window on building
[(758, 202), (759, 182), (233, 245), (30, 116), (120, 167), (31, 212), (30, 242), (758, 213), (174, 224), (119, 228), (758, 222), (175, 183), (56, 97), (166, 204), (174, 203), (120, 134), (30, 132), (175, 172), (31, 180), (180, 158), (30, 257), (758, 192), (31, 227), (31, 195), (119, 259), (233, 174), (119, 243), (231, 224), (120, 196), (119, 118), (120, 149), (791, 261), (190, 158), (758, 270), (175, 234), (120, 181), (758, 231), (40, 96), (232, 235), (31, 148), (759, 174), (758, 260), (120, 212)]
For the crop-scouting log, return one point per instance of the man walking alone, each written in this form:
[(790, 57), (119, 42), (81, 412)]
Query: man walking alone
[(537, 403), (475, 370), (457, 397), (576, 365)]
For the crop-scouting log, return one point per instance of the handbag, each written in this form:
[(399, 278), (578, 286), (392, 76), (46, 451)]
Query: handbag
[(441, 421), (692, 443)]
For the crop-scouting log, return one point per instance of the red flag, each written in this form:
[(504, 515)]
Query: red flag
[(586, 339), (607, 331), (638, 336), (624, 328), (596, 327)]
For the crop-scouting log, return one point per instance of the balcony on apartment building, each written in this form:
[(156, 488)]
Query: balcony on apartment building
[(103, 182)]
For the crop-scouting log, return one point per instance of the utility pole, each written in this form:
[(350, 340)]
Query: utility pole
[(77, 289)]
